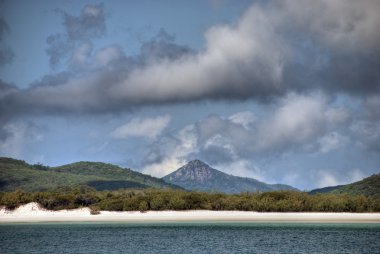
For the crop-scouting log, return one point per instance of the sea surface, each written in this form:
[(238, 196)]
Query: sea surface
[(189, 238)]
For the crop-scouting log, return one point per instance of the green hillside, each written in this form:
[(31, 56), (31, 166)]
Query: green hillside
[(369, 186), (17, 174)]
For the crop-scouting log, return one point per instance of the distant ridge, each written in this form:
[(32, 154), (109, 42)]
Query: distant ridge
[(369, 186), (17, 174), (197, 175)]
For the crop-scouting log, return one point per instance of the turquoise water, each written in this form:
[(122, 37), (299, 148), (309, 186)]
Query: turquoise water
[(189, 238)]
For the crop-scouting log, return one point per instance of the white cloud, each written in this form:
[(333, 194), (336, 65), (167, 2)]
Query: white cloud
[(108, 54), (330, 177), (80, 56), (326, 178), (300, 123), (243, 168), (366, 134), (331, 141), (298, 120), (342, 25), (175, 151), (245, 118), (18, 136), (142, 127), (237, 59), (165, 167)]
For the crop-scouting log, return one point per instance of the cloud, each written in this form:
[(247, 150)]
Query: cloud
[(298, 120), (297, 125), (333, 178), (245, 118), (162, 46), (144, 128), (366, 134), (336, 47), (89, 24), (14, 137), (6, 53), (79, 30), (372, 106), (80, 56), (4, 28), (331, 141), (272, 50), (170, 152), (58, 48), (365, 129), (107, 55), (6, 88), (240, 61)]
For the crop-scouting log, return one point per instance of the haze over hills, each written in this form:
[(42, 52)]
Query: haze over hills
[(17, 174), (197, 175), (369, 186)]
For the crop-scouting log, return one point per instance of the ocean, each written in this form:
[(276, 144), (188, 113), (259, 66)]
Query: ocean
[(189, 238)]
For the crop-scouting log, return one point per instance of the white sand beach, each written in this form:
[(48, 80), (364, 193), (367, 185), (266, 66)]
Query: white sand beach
[(32, 212)]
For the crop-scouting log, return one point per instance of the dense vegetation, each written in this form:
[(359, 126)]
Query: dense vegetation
[(369, 186), (143, 200), (17, 174), (102, 186)]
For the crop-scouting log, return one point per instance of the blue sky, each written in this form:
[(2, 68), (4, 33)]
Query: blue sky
[(282, 91)]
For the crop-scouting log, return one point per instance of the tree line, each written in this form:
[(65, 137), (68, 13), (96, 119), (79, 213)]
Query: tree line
[(157, 200)]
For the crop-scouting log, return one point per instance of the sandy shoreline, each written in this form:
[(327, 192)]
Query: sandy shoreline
[(33, 213)]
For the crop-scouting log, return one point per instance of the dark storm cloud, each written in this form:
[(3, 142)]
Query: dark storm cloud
[(6, 53), (275, 48), (91, 23)]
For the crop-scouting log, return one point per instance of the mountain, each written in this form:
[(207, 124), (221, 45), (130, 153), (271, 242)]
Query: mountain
[(17, 174), (369, 186), (197, 175)]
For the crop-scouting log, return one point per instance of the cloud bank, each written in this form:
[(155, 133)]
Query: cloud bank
[(298, 124), (273, 49)]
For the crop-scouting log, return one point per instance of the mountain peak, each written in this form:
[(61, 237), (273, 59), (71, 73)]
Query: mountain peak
[(197, 163), (196, 171), (197, 175)]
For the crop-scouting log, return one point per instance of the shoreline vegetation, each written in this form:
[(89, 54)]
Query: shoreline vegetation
[(179, 200), (34, 213)]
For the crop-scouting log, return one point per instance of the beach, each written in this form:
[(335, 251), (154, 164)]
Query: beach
[(32, 212)]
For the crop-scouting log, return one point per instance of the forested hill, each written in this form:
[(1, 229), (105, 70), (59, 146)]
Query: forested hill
[(369, 186), (17, 174)]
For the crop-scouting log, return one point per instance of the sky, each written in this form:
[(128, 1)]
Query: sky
[(281, 91)]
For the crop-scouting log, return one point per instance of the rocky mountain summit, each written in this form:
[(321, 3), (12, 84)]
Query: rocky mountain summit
[(197, 175)]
